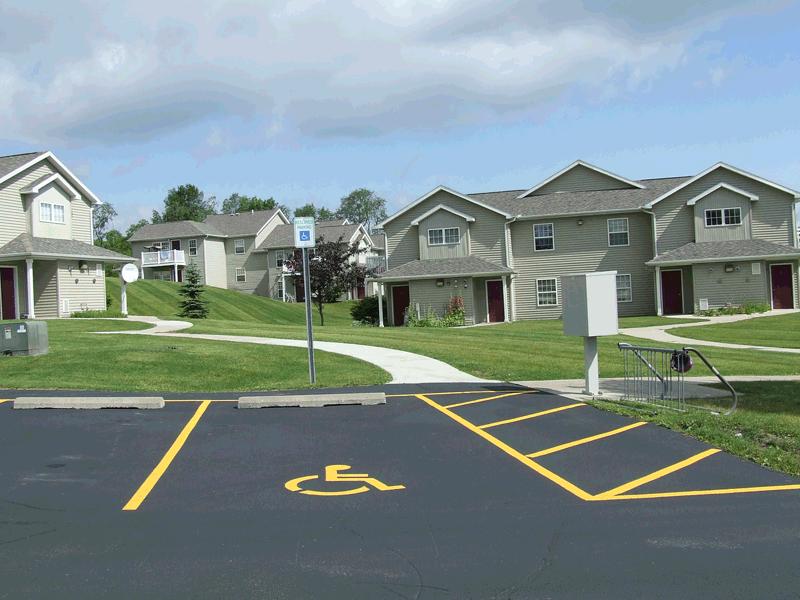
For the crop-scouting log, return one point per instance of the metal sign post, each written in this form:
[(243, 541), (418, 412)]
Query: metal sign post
[(304, 238)]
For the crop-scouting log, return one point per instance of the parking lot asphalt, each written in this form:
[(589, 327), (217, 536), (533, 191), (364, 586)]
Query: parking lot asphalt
[(447, 491)]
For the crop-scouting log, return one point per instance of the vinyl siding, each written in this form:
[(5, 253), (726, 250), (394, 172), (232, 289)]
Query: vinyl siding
[(15, 216), (722, 199), (82, 221), (89, 293), (771, 213), (254, 263), (45, 289), (138, 247), (721, 288), (486, 233), (274, 275), (425, 293), (52, 194), (582, 249), (216, 272), (581, 179), (443, 219)]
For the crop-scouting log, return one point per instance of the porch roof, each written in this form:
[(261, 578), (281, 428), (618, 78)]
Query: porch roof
[(465, 266), (27, 246), (739, 250)]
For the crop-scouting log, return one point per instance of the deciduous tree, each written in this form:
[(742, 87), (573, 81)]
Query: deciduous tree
[(363, 206), (185, 203)]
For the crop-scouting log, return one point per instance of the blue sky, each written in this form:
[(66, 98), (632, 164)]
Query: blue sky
[(306, 100)]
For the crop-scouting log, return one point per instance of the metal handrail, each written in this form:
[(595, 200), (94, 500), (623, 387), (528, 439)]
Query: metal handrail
[(719, 375)]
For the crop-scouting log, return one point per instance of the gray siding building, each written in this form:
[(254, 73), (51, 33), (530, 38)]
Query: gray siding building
[(678, 245)]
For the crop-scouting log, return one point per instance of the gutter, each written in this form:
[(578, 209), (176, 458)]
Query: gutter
[(677, 263)]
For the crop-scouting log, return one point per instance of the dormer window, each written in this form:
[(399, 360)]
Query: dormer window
[(51, 213), (720, 217), (444, 236)]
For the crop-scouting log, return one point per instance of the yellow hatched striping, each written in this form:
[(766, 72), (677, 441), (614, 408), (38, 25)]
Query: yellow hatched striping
[(531, 416), (585, 440), (479, 400)]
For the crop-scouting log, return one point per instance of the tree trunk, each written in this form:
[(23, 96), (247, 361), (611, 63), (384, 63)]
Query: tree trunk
[(321, 316)]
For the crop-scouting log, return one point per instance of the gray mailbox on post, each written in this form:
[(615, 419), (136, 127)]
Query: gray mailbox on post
[(590, 310)]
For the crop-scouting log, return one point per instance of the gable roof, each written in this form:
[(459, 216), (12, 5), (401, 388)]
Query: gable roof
[(443, 267), (36, 185), (721, 186), (174, 229), (16, 163), (562, 204), (739, 250), (733, 169), (283, 235), (246, 223), (441, 188), (25, 245), (439, 207), (579, 163)]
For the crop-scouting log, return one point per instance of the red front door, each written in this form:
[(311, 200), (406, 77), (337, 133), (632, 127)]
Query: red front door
[(8, 308), (361, 290), (494, 298), (781, 276), (672, 292), (299, 289), (400, 302)]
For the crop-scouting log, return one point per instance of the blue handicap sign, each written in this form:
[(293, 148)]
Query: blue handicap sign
[(305, 235)]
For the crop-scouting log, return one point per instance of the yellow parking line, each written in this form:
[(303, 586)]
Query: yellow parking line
[(585, 440), (744, 490), (1, 401), (200, 400), (152, 479), (414, 395), (545, 472), (531, 416), (626, 487), (457, 404)]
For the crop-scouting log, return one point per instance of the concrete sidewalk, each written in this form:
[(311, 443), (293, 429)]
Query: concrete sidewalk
[(660, 333), (404, 367)]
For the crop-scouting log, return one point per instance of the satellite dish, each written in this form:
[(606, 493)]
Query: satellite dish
[(129, 273)]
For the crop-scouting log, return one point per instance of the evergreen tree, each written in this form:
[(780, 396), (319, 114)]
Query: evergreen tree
[(193, 306)]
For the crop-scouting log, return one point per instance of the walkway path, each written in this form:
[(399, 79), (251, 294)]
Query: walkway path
[(404, 367), (659, 333)]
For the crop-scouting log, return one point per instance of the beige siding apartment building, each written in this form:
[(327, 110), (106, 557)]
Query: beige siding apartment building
[(678, 245), (49, 266)]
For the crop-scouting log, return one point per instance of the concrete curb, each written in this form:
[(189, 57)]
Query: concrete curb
[(146, 402), (316, 400)]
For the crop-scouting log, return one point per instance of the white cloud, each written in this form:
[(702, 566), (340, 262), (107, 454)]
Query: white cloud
[(326, 68)]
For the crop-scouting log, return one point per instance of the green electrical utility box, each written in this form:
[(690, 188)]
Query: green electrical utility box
[(23, 338)]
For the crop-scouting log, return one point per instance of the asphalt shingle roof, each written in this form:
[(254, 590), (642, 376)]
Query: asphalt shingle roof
[(729, 250), (283, 235), (444, 267), (246, 223), (25, 244), (15, 161), (563, 203), (174, 229)]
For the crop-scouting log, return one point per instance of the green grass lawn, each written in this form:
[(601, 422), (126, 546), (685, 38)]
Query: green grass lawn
[(782, 331), (525, 350), (161, 298), (767, 423), (79, 359)]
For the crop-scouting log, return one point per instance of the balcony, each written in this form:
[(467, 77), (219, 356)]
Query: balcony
[(163, 258), (376, 264)]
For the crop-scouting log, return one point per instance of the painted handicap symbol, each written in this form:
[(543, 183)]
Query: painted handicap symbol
[(334, 474)]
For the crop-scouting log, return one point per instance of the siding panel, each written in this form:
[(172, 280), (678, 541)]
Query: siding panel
[(721, 288), (438, 220), (45, 289), (581, 179), (89, 293), (426, 294), (722, 199), (15, 216)]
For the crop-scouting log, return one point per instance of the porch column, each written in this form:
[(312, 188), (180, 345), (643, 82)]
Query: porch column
[(175, 268), (659, 308), (29, 280), (505, 299), (380, 304)]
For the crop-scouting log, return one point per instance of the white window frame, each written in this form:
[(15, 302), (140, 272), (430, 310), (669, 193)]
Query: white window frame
[(63, 216), (551, 237), (627, 232), (629, 287), (236, 246), (281, 256), (444, 231), (192, 245), (241, 272), (539, 293), (723, 217), (279, 288)]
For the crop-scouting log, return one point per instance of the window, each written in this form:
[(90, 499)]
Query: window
[(444, 236), (279, 290), (721, 217), (192, 247), (546, 294), (98, 270), (544, 237), (241, 275), (624, 288), (45, 212), (58, 213), (618, 232), (732, 216), (281, 256), (238, 246)]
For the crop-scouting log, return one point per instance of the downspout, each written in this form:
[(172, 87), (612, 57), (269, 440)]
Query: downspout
[(510, 264), (655, 253)]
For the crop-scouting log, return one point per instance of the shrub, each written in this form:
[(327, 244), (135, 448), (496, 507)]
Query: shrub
[(748, 308), (193, 305), (366, 310), (454, 315), (97, 314)]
